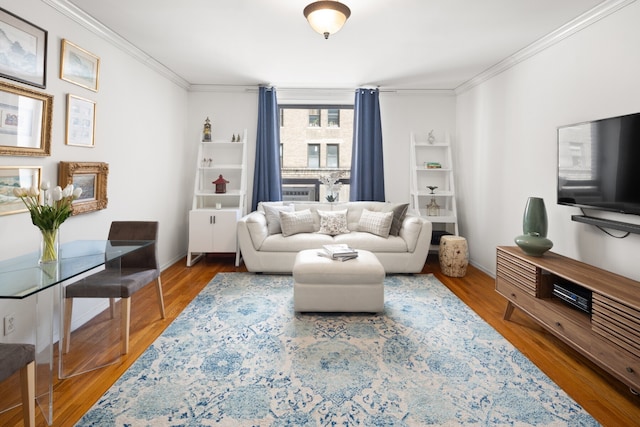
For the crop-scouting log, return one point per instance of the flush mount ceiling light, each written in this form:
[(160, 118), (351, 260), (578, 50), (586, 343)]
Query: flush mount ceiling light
[(326, 17)]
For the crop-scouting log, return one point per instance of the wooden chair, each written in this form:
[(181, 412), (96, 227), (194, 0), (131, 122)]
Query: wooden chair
[(137, 270), (14, 357)]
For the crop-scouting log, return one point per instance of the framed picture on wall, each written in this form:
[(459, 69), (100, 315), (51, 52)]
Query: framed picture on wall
[(23, 50), (92, 178), (25, 121), (12, 177), (81, 118), (79, 66)]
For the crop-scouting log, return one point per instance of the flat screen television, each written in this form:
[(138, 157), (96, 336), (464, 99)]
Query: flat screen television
[(599, 164)]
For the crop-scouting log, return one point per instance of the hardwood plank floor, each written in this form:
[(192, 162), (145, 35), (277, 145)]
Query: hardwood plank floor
[(608, 400)]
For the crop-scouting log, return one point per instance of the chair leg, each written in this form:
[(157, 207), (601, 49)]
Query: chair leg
[(160, 297), (28, 387), (68, 312), (112, 307), (125, 321)]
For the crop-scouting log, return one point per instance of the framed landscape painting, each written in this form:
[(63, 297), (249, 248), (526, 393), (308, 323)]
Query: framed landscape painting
[(23, 50), (79, 66), (92, 178), (12, 177)]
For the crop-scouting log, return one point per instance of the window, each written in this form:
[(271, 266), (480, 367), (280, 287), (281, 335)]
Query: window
[(333, 159), (314, 117), (333, 117), (309, 151), (313, 155)]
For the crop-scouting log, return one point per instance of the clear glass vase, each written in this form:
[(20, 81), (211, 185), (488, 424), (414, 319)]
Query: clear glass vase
[(49, 246)]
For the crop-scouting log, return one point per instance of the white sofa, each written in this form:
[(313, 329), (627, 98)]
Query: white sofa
[(276, 252)]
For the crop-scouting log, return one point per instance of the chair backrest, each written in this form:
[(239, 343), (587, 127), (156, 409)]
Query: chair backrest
[(146, 257)]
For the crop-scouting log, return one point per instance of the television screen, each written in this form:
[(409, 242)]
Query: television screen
[(599, 164)]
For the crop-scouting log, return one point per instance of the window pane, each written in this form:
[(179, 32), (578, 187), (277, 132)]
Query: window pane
[(314, 118), (313, 155), (333, 117), (333, 155)]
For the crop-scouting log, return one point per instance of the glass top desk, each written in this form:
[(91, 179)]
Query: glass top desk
[(23, 277)]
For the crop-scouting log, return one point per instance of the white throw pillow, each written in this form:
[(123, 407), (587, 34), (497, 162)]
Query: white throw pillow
[(333, 222), (273, 217), (296, 222), (378, 223)]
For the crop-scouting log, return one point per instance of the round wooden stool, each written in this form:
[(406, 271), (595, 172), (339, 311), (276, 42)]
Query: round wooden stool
[(453, 256)]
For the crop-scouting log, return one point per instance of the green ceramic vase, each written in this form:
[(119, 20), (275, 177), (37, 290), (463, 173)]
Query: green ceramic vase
[(534, 241)]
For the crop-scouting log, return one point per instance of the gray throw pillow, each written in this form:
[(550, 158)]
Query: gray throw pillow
[(399, 212), (378, 223), (272, 213), (296, 222)]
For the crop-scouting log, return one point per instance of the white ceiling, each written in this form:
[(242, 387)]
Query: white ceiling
[(411, 44)]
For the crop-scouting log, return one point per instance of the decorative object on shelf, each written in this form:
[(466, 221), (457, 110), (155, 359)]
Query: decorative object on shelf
[(206, 162), (79, 66), (333, 185), (326, 17), (221, 184), (432, 188), (48, 216), (431, 138), (534, 240), (433, 209), (206, 132), (433, 165)]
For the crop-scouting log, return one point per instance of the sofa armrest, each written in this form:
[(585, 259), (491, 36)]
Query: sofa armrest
[(255, 225), (416, 230)]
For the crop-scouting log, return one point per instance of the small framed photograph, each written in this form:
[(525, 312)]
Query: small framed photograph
[(23, 50), (81, 119), (92, 178), (15, 177), (79, 66), (25, 121)]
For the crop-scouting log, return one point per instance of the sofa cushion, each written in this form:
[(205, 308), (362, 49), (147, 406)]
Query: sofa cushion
[(333, 222), (378, 223), (296, 222), (272, 213)]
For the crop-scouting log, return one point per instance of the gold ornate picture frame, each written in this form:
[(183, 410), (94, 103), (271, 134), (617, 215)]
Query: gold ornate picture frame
[(16, 177), (25, 121), (79, 66), (92, 178)]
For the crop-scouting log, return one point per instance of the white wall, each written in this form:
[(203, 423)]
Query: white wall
[(141, 129), (506, 141)]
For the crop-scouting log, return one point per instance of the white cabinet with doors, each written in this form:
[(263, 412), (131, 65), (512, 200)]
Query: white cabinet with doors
[(431, 166), (214, 215)]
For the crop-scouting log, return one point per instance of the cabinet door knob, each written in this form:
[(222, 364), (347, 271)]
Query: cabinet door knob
[(630, 369), (558, 324)]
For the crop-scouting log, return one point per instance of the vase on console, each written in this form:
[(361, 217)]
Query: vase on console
[(534, 240)]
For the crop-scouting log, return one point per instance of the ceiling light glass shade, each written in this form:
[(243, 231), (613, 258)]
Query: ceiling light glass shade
[(326, 17)]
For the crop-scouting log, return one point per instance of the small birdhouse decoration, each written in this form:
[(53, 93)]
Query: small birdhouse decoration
[(221, 184)]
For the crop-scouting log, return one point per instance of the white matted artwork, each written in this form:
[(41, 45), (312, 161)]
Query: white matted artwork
[(79, 66), (81, 119)]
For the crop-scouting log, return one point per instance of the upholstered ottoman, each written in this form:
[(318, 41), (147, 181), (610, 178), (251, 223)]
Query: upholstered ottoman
[(323, 284)]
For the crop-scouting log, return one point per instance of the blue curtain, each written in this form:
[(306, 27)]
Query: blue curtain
[(267, 179), (367, 166)]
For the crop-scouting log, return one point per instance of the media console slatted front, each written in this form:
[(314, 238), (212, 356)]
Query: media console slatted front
[(609, 334)]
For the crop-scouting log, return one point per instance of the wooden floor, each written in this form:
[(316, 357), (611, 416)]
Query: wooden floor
[(608, 400)]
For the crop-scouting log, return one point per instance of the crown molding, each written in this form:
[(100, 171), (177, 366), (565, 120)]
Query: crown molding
[(592, 16), (87, 21)]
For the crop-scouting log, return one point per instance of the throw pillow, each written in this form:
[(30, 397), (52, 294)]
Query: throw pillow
[(399, 212), (333, 222), (296, 222), (272, 213), (378, 223)]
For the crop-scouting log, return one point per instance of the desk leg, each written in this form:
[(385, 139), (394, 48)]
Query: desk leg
[(44, 351)]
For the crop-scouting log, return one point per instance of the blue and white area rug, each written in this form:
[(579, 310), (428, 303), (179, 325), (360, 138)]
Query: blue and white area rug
[(239, 356)]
